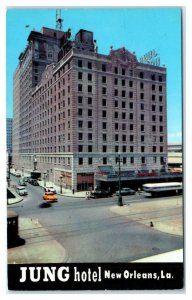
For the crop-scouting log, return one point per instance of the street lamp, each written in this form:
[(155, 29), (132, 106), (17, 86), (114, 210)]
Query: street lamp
[(22, 171), (120, 202), (45, 178), (60, 183)]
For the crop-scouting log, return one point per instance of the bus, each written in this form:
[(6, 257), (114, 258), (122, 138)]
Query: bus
[(163, 188)]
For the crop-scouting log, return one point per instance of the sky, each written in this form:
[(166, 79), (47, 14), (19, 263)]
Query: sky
[(137, 29)]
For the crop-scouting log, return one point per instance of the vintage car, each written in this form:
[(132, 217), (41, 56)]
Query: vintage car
[(125, 192), (49, 197)]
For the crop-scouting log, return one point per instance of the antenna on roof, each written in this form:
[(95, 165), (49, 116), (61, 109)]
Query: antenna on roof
[(59, 20)]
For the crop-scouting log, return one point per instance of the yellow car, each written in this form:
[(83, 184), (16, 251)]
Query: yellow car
[(49, 197)]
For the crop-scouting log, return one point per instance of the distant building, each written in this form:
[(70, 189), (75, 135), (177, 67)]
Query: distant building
[(175, 157), (84, 110), (9, 134)]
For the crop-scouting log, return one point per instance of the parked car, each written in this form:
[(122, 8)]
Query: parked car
[(49, 197), (26, 179), (17, 174), (125, 192), (33, 181), (22, 182), (100, 194), (21, 190), (50, 189)]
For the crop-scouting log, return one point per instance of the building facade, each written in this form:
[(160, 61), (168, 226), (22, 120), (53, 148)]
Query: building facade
[(89, 109), (9, 122)]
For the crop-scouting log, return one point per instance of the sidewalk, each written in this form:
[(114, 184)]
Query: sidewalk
[(165, 215), (39, 247)]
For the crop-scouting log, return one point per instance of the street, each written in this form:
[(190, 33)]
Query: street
[(90, 231)]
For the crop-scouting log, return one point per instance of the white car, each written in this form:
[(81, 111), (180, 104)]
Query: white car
[(21, 190), (50, 189)]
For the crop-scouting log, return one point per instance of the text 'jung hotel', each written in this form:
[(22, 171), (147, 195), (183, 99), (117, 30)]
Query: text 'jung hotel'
[(77, 111)]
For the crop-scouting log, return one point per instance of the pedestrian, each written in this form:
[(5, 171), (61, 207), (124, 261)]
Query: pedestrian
[(73, 191)]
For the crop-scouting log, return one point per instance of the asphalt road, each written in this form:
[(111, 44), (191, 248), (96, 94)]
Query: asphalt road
[(91, 232)]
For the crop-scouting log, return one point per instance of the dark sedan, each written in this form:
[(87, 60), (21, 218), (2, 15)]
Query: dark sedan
[(100, 194)]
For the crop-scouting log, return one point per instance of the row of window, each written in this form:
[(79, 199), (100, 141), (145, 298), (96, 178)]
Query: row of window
[(119, 70)]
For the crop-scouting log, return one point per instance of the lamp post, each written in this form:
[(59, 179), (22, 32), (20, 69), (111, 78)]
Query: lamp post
[(44, 178), (60, 183), (22, 171), (120, 202)]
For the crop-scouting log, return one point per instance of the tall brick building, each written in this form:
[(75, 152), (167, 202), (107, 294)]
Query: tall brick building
[(87, 109)]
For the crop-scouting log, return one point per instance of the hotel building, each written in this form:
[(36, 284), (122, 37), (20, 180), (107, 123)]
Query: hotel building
[(79, 111)]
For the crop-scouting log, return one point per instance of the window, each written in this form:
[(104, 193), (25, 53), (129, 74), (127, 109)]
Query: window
[(116, 137), (104, 125), (116, 70), (103, 67), (123, 115), (80, 124), (123, 71), (130, 83), (90, 112), (90, 137), (132, 160), (161, 128), (90, 126), (89, 88), (80, 112), (116, 92), (131, 148), (104, 137), (152, 77), (89, 77), (116, 103), (89, 65), (131, 127), (141, 85), (142, 106), (80, 87), (89, 100), (142, 138), (104, 148), (116, 126), (80, 136), (153, 87), (80, 161), (124, 137), (104, 113), (123, 82), (104, 160), (80, 63), (90, 148), (154, 159), (142, 127), (80, 75), (116, 81), (131, 105), (160, 78), (116, 148), (123, 93), (90, 160), (104, 90), (161, 148), (154, 128), (143, 160), (104, 102), (142, 116), (142, 96), (141, 75), (161, 139), (160, 98), (131, 116), (153, 97), (142, 148), (153, 118), (160, 108), (154, 148), (153, 107), (123, 126), (80, 148), (131, 138), (116, 115), (123, 104), (103, 79), (160, 88), (130, 94)]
